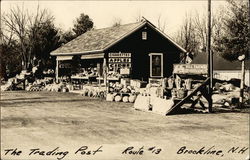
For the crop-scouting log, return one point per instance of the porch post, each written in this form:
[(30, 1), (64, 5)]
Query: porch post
[(105, 72)]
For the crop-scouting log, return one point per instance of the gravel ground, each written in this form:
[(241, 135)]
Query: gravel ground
[(47, 120)]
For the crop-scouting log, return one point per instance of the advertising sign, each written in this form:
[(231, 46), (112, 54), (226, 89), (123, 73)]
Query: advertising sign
[(119, 54), (190, 69)]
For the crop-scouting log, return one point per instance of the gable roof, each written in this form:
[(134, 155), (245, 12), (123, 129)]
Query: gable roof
[(220, 63), (98, 40)]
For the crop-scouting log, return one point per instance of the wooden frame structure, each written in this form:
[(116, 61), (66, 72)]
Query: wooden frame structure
[(204, 91), (151, 61)]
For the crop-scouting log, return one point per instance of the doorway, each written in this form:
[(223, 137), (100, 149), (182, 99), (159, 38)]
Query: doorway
[(156, 65)]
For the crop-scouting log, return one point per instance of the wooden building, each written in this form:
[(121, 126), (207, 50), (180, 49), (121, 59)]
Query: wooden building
[(223, 69), (137, 50)]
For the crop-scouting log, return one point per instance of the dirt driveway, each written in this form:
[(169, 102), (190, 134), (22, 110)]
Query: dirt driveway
[(47, 120)]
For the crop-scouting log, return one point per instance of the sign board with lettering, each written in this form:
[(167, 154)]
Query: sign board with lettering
[(119, 65), (120, 62), (119, 54), (125, 71), (199, 69)]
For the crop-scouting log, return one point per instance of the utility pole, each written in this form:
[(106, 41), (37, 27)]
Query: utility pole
[(210, 58)]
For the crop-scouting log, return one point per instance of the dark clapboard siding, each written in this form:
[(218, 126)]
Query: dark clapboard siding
[(140, 50)]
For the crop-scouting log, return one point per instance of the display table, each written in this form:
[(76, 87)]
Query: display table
[(82, 79), (112, 79)]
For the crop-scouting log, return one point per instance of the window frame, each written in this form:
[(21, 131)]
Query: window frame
[(156, 54), (144, 35)]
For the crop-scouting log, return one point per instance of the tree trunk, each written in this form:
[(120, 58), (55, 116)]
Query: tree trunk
[(3, 73)]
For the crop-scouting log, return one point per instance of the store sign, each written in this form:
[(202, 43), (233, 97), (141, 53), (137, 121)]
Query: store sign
[(190, 69), (125, 71), (119, 60), (119, 65), (119, 57), (119, 54)]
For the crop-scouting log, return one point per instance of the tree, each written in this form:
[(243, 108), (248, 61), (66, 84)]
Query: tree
[(116, 22), (235, 39), (234, 43), (192, 35), (34, 34), (10, 58), (200, 23), (187, 37), (66, 36), (161, 23), (82, 24), (138, 16), (44, 37), (218, 29), (16, 23)]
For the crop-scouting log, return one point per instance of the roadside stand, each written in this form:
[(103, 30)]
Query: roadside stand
[(127, 67)]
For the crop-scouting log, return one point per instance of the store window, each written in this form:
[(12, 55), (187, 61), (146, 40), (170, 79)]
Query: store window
[(156, 65), (144, 35)]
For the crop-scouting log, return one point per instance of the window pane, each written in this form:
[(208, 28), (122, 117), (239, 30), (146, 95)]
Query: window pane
[(144, 35), (156, 65)]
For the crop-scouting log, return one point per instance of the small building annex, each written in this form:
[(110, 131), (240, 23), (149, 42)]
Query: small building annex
[(223, 69), (137, 51)]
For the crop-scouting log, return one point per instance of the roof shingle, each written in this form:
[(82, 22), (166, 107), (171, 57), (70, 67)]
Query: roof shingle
[(96, 39)]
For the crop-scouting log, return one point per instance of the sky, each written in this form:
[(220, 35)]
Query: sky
[(104, 13)]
